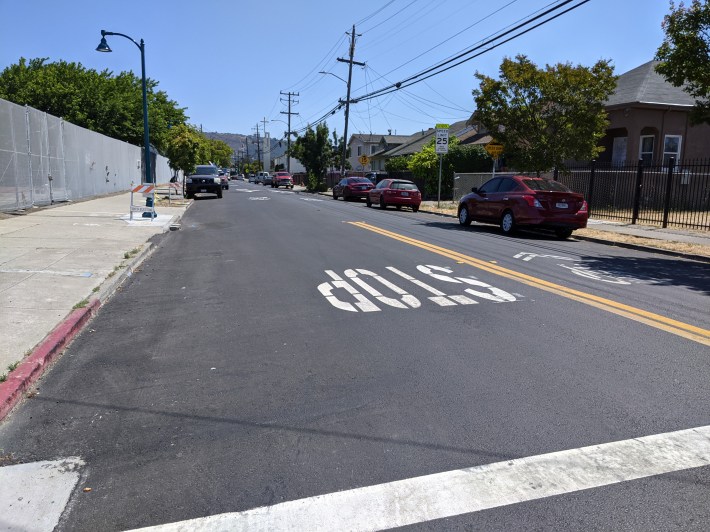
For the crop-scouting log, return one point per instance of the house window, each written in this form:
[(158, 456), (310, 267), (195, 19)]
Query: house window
[(646, 149), (373, 148), (359, 151), (671, 148)]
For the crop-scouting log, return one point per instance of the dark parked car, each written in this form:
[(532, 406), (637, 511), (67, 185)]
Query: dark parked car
[(516, 201), (205, 179), (282, 179), (352, 187), (395, 192)]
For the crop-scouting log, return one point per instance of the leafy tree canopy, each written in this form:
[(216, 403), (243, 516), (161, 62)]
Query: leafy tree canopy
[(397, 164), (425, 164), (685, 54), (545, 117), (314, 150), (100, 101), (183, 148)]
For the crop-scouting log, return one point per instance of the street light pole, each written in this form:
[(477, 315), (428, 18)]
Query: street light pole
[(104, 47)]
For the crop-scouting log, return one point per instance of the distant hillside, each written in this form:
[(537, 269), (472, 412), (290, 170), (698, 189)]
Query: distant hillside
[(238, 141)]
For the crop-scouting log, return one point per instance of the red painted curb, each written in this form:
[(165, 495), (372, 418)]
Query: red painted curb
[(33, 366)]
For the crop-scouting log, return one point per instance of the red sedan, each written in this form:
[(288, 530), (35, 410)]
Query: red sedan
[(396, 192), (516, 201), (352, 187)]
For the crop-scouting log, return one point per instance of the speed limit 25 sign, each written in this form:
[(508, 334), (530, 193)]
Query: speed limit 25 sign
[(442, 138)]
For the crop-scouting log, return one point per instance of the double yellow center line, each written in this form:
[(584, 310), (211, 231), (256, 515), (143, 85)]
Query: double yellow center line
[(691, 332)]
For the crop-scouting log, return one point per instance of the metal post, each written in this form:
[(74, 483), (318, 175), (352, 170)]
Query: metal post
[(438, 199), (637, 192), (590, 192), (669, 191)]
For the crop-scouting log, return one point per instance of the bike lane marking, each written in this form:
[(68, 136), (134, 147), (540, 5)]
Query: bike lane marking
[(464, 491), (679, 328)]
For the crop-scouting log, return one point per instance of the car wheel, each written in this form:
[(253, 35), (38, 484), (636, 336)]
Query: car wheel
[(399, 207), (368, 202), (464, 216), (563, 234), (383, 205), (219, 194), (507, 223), (415, 208), (335, 196)]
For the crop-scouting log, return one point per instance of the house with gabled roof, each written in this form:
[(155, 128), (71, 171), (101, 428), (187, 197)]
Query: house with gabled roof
[(649, 120)]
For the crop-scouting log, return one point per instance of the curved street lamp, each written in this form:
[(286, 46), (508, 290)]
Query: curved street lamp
[(334, 75), (104, 47), (347, 115)]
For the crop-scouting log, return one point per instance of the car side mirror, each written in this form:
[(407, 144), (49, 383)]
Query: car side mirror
[(475, 189)]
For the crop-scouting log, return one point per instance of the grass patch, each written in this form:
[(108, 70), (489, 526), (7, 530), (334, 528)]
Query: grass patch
[(132, 253), (81, 304), (13, 366), (96, 289), (3, 377)]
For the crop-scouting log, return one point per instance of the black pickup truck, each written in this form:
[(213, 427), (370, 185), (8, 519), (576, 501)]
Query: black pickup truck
[(205, 178)]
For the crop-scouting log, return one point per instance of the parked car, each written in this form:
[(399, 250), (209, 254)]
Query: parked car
[(266, 178), (352, 187), (282, 179), (252, 178), (259, 178), (205, 179), (396, 192), (376, 177), (520, 201)]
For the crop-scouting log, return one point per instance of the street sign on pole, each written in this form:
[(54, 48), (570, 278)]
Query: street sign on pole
[(442, 138), (494, 149), (442, 147)]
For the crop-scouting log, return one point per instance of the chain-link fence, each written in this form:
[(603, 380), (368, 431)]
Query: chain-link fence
[(464, 182), (45, 160)]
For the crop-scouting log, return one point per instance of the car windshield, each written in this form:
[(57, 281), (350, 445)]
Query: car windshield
[(356, 180), (545, 184), (206, 170)]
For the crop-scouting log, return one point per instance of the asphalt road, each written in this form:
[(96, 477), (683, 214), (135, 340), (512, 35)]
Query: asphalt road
[(282, 346)]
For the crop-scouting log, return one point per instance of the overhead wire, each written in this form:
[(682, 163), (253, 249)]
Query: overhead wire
[(448, 64)]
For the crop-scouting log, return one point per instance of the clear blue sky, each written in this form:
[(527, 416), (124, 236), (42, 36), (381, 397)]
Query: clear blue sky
[(227, 61)]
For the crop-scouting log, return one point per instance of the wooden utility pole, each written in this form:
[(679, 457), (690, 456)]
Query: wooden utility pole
[(350, 63), (288, 133)]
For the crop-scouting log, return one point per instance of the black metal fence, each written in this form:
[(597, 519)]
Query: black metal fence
[(672, 194)]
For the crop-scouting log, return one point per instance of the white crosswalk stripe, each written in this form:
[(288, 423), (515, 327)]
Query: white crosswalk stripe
[(422, 499)]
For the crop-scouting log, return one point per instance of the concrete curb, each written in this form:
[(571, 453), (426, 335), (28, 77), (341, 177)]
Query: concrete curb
[(637, 247), (33, 366), (648, 249)]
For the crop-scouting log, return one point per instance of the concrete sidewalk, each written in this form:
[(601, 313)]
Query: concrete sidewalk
[(57, 265)]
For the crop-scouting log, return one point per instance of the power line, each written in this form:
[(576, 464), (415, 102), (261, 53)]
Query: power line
[(439, 68)]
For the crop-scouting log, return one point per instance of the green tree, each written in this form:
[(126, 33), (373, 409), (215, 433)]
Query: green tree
[(337, 152), (545, 117), (685, 54), (315, 152), (397, 164), (182, 148), (220, 153), (100, 101)]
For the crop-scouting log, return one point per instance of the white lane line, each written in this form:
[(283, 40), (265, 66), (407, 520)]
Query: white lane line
[(422, 499), (33, 496)]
